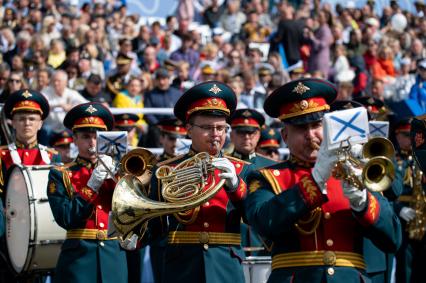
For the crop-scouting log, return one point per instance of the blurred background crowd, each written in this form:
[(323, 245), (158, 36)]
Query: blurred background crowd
[(100, 51)]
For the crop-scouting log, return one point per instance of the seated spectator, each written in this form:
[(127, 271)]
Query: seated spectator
[(57, 53), (61, 99), (94, 92), (15, 82), (187, 53), (400, 89), (418, 90), (42, 79)]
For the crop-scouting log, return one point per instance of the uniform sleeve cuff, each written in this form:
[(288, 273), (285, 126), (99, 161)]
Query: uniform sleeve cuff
[(371, 213), (88, 194), (310, 192), (240, 192)]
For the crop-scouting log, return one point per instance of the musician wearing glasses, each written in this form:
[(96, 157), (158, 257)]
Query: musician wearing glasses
[(316, 222), (80, 195), (26, 109), (203, 243)]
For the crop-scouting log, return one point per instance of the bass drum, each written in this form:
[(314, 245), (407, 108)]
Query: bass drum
[(257, 269), (33, 238)]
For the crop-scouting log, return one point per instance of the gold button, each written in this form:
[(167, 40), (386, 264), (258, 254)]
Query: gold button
[(276, 172), (101, 235), (26, 153), (101, 225), (327, 215), (99, 206), (238, 165), (101, 244), (206, 225), (3, 153), (207, 203), (203, 237), (205, 247), (329, 258), (330, 271), (329, 242)]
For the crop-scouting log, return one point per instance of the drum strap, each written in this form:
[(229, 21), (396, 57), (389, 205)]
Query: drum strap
[(44, 154), (14, 154)]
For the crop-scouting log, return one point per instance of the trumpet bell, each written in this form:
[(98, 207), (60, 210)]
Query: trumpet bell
[(137, 161), (378, 173), (378, 146)]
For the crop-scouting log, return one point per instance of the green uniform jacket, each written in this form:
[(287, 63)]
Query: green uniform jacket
[(75, 206), (198, 262), (326, 244)]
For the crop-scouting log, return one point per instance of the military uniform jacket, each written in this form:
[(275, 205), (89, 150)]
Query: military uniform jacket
[(203, 244), (87, 255), (316, 237)]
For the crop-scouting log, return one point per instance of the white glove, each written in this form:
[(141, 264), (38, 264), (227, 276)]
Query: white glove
[(357, 197), (323, 167), (228, 174), (130, 244), (356, 151), (100, 173), (407, 213)]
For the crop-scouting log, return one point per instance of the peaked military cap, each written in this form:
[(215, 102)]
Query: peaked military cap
[(126, 120), (269, 137), (402, 125), (89, 116), (172, 127), (375, 107), (301, 101), (247, 120), (418, 136), (27, 100), (211, 96), (344, 105), (123, 59), (61, 138)]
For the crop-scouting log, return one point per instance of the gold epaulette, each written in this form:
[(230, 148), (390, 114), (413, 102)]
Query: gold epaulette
[(170, 160), (267, 174), (236, 159), (66, 177)]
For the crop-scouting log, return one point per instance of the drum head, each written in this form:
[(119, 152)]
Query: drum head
[(18, 218)]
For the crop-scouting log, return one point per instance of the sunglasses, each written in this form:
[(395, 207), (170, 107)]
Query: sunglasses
[(14, 81)]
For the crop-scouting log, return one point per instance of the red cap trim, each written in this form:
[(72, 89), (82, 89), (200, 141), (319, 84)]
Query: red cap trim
[(89, 122), (269, 143), (302, 107), (210, 103), (27, 105), (245, 122)]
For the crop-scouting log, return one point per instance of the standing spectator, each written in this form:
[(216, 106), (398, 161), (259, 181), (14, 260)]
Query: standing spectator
[(400, 89), (320, 41), (290, 34), (418, 90), (185, 10), (161, 96), (61, 99)]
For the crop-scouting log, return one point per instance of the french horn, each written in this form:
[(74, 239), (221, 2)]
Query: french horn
[(183, 187)]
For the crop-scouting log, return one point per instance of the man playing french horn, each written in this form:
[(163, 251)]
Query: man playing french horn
[(316, 222), (203, 235)]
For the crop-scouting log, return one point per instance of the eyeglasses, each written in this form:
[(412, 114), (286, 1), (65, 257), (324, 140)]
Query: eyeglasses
[(209, 128), (14, 81)]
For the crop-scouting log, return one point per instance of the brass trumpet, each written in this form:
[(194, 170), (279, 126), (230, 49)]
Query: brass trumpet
[(377, 167), (184, 187)]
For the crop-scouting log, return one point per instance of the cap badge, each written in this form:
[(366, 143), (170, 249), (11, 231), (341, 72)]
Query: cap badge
[(177, 129), (91, 109), (246, 121), (214, 101), (26, 94), (271, 132), (301, 88), (246, 113), (215, 89), (303, 104)]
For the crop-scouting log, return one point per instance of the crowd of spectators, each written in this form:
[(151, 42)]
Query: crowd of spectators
[(102, 52)]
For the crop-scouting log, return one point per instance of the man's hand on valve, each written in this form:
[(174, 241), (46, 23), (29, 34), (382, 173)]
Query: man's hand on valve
[(357, 196), (323, 167), (407, 213), (228, 173), (102, 171)]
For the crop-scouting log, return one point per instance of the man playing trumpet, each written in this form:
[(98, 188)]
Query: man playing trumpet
[(204, 242), (80, 196), (316, 223)]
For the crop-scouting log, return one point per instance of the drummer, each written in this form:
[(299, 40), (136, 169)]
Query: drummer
[(80, 195), (27, 109)]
